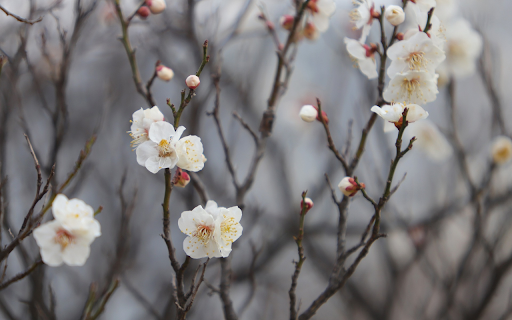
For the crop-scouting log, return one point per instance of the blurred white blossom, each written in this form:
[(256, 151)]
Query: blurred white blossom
[(320, 12), (364, 55), (395, 15), (362, 16), (463, 47), (430, 140), (501, 150), (68, 237), (393, 113)]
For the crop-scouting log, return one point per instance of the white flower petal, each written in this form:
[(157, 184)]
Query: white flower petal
[(145, 151), (161, 130), (190, 153), (76, 254), (155, 163)]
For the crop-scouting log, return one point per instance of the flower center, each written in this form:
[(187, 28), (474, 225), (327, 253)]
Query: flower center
[(203, 233), (503, 153), (64, 238), (417, 61), (165, 149), (411, 86), (355, 15)]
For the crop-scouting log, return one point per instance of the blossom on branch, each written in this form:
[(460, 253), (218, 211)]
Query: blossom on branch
[(363, 16), (67, 238), (416, 87), (349, 187), (164, 73), (463, 47), (211, 231), (142, 120), (156, 6), (308, 113), (393, 113), (192, 81), (418, 53), (364, 56)]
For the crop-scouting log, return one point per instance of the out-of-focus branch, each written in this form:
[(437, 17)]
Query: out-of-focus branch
[(20, 276), (302, 258), (332, 146), (20, 19), (95, 306)]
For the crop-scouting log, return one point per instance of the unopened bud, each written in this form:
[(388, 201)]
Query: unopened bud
[(501, 150), (270, 25), (309, 204), (310, 31), (143, 12), (308, 113), (374, 13), (349, 187), (324, 116), (181, 178), (156, 6), (164, 73), (394, 14), (399, 36), (192, 81), (286, 22)]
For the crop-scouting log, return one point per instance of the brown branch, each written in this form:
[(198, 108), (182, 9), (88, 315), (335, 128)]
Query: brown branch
[(20, 276), (332, 146), (20, 19)]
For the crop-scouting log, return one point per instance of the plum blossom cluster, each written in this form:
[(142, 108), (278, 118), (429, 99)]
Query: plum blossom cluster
[(67, 238), (211, 230), (159, 145), (315, 21)]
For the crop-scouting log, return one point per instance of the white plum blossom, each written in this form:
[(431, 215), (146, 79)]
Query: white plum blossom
[(463, 47), (142, 120), (436, 32), (394, 14), (190, 153), (417, 53), (393, 113), (67, 238), (211, 231), (416, 87), (430, 140), (364, 55), (192, 81), (319, 12), (308, 113), (227, 228), (362, 16), (501, 150)]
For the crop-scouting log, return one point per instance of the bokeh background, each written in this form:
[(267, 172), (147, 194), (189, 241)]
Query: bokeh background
[(411, 274)]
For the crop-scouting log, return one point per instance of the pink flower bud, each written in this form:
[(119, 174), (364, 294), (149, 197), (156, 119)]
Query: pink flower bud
[(143, 12), (164, 73), (156, 6), (192, 81), (286, 22), (181, 178), (324, 115), (349, 187), (309, 204), (400, 36)]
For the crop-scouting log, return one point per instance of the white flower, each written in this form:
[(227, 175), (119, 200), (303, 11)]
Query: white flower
[(364, 56), (160, 151), (349, 187), (164, 73), (190, 153), (430, 140), (310, 31), (501, 150), (68, 237), (156, 6), (320, 11), (308, 113), (142, 120), (211, 230), (416, 87), (395, 15), (417, 53), (227, 228), (393, 113), (192, 81), (362, 16), (463, 47), (436, 31)]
